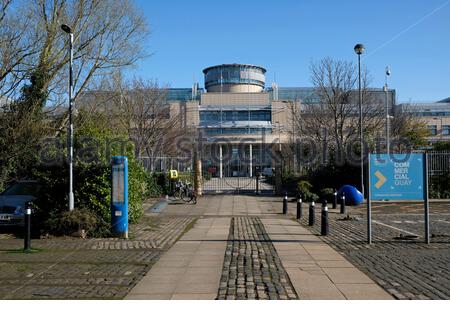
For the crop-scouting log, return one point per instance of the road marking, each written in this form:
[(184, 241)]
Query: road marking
[(395, 228)]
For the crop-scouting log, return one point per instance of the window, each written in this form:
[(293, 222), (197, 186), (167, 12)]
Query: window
[(446, 130), (229, 131), (263, 115), (235, 116), (213, 132), (432, 129), (209, 117), (260, 130)]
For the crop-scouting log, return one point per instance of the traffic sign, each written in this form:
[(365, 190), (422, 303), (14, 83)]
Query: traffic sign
[(397, 177)]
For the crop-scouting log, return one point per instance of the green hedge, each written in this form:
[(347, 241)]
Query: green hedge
[(91, 177)]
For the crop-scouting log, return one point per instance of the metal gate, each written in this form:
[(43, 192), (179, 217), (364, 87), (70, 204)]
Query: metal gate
[(234, 177)]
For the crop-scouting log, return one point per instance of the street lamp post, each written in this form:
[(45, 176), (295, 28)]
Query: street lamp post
[(67, 30), (388, 73), (359, 49)]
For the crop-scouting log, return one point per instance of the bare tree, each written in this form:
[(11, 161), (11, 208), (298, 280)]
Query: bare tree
[(408, 130), (332, 113), (140, 109), (16, 46), (108, 35)]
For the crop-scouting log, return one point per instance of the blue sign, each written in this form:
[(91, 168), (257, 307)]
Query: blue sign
[(397, 176)]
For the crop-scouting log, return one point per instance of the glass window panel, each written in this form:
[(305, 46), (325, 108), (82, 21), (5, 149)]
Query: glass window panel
[(432, 129)]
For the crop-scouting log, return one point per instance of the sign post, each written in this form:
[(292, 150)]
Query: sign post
[(119, 196), (369, 205), (398, 177), (426, 203)]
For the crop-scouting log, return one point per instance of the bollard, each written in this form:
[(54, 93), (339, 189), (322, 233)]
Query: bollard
[(299, 208), (324, 228), (257, 183), (335, 200), (27, 225), (285, 205), (312, 217), (343, 204)]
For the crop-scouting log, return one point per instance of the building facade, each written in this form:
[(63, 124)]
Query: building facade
[(244, 124), (436, 116), (239, 121)]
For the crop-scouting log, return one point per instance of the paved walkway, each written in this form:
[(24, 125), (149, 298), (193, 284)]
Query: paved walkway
[(191, 269), (315, 269), (212, 261)]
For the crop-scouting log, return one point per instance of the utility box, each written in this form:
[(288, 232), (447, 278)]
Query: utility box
[(119, 196)]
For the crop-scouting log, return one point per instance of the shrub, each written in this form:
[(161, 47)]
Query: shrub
[(304, 190), (77, 220), (153, 188), (327, 194), (92, 190), (163, 182)]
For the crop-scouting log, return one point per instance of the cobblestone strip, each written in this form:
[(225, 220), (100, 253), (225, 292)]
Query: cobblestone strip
[(252, 268), (148, 237), (406, 269)]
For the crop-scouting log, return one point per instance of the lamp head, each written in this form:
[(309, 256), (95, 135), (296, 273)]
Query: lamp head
[(388, 71), (66, 28), (359, 49)]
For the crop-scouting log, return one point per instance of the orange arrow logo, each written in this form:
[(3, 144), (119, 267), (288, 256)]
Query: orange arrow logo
[(381, 179)]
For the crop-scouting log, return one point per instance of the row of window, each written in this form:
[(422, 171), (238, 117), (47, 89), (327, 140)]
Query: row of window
[(218, 116), (433, 114), (434, 131), (230, 131)]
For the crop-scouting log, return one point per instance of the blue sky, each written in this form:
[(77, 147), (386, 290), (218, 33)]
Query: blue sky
[(284, 36)]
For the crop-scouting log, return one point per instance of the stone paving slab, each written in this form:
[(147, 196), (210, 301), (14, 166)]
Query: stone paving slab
[(199, 254), (315, 269)]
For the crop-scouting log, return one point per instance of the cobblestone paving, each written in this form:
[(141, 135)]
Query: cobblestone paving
[(252, 268), (149, 236), (67, 268), (406, 269)]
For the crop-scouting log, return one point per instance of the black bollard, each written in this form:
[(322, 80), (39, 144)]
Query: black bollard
[(27, 235), (343, 204), (312, 217), (335, 200), (299, 208), (257, 183), (324, 228), (285, 205)]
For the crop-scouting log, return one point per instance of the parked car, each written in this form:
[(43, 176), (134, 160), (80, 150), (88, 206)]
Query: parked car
[(267, 172), (14, 199)]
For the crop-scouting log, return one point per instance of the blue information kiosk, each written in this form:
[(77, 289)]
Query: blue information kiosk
[(119, 196)]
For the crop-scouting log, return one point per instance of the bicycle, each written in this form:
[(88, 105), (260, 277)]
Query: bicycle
[(189, 195), (178, 190)]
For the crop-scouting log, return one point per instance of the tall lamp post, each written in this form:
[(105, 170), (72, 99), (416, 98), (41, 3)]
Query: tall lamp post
[(67, 30), (359, 50), (387, 74)]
